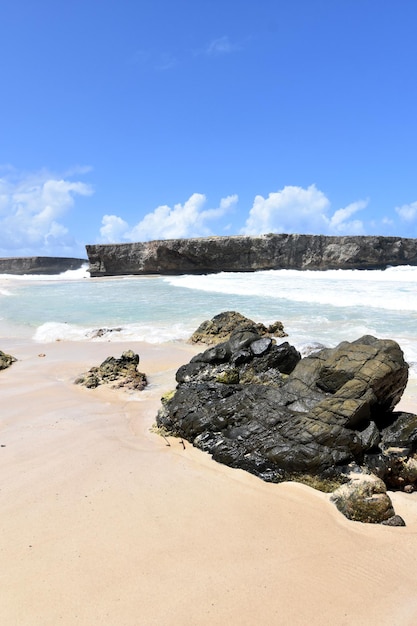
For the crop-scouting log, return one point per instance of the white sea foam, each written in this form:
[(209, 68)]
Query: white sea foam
[(393, 288), (58, 331), (315, 307)]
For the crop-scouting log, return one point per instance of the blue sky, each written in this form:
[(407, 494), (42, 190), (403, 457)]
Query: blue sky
[(139, 119)]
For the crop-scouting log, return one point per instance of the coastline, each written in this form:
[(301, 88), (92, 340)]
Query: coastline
[(103, 523)]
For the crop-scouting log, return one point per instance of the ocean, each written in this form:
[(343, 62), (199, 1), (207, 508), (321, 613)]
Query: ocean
[(315, 307)]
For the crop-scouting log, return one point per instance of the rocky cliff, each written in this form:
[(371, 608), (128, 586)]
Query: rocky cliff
[(39, 265), (245, 254)]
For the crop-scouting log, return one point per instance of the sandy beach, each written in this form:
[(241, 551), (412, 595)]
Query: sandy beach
[(103, 523)]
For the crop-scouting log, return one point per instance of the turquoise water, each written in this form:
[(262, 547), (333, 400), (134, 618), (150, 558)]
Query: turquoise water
[(323, 307)]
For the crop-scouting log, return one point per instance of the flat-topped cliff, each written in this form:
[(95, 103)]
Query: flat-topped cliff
[(206, 255), (39, 265)]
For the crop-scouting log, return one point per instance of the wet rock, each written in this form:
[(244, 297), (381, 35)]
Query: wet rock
[(370, 437), (115, 373), (248, 355), (395, 467), (221, 326), (6, 360), (401, 433), (259, 406)]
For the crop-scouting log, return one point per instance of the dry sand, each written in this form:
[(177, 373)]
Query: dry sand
[(103, 523)]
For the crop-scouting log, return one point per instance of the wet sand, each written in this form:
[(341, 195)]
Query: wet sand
[(103, 523)]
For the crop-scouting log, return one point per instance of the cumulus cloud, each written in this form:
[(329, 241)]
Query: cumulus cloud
[(339, 222), (290, 210), (293, 209), (407, 212), (165, 222), (113, 229), (299, 210), (31, 208)]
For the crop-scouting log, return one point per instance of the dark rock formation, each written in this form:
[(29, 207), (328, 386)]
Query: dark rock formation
[(257, 406), (221, 326), (39, 265), (244, 254), (6, 360), (116, 373)]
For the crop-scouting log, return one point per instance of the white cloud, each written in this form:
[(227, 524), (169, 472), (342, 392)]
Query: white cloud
[(407, 212), (293, 209), (182, 220), (298, 210), (339, 222), (290, 210), (113, 228), (221, 45), (31, 207)]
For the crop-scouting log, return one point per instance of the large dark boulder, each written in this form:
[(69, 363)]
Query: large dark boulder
[(258, 406)]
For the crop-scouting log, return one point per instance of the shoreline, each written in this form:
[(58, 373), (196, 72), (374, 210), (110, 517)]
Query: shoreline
[(103, 523)]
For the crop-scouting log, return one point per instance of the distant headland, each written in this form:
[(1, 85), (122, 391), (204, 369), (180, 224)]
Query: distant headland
[(39, 265), (204, 255), (207, 255)]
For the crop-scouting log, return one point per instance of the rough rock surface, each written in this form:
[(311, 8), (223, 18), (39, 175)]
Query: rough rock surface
[(396, 466), (116, 373), (364, 499), (395, 520), (6, 360), (221, 326), (244, 254), (39, 265), (258, 406)]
